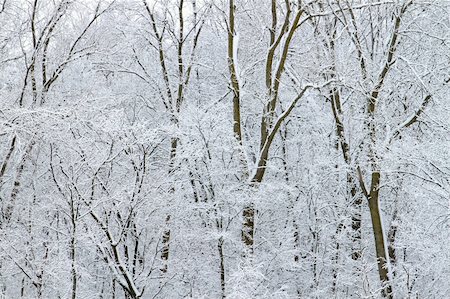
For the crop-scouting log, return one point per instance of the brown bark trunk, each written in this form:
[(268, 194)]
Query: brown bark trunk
[(380, 243)]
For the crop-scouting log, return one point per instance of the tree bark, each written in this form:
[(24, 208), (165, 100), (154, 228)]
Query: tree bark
[(222, 266), (233, 74), (380, 242)]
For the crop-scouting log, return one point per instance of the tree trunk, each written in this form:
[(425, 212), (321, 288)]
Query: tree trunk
[(356, 219), (166, 235), (166, 246), (380, 243), (222, 266), (248, 227), (73, 250)]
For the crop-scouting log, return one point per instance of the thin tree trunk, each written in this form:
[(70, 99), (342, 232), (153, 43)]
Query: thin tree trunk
[(73, 250), (248, 227), (17, 183), (33, 60), (113, 289), (336, 258), (22, 289), (355, 196), (391, 240), (233, 74), (356, 219), (222, 266), (167, 234), (166, 246), (7, 158)]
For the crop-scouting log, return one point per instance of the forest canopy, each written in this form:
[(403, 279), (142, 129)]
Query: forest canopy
[(224, 149)]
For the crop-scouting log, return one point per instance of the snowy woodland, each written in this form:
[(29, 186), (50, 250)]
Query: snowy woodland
[(224, 149)]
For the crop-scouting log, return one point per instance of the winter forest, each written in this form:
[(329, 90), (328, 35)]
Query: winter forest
[(224, 149)]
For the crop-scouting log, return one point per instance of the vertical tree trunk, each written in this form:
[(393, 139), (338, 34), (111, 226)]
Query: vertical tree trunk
[(356, 219), (113, 289), (391, 244), (380, 243), (355, 197), (248, 227), (73, 250), (222, 266), (336, 259), (167, 234), (22, 289), (35, 49), (233, 74), (166, 246)]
